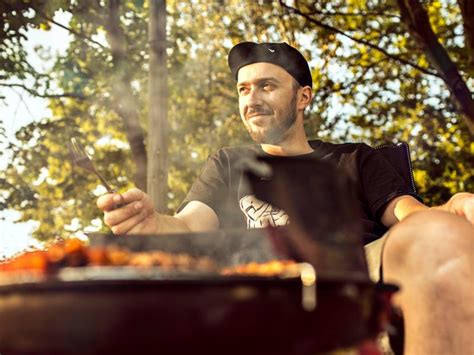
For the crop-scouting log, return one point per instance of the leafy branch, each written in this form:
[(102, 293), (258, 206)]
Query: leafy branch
[(418, 23), (357, 40), (354, 14), (45, 95), (74, 32)]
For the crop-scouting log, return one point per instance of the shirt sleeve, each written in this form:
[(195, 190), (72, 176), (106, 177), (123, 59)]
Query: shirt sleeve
[(380, 181), (212, 183)]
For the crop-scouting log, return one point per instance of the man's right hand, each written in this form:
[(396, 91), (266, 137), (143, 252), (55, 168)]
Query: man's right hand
[(135, 215)]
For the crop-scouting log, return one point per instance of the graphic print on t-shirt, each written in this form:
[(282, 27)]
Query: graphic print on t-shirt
[(261, 214)]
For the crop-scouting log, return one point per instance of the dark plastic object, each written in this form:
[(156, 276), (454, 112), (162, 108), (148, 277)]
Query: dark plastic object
[(398, 155)]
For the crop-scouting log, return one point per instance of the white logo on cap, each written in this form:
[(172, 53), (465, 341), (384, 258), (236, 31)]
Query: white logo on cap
[(271, 50)]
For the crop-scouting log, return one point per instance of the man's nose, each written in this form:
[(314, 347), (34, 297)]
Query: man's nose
[(254, 98)]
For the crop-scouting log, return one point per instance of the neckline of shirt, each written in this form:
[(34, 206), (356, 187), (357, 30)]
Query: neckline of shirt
[(313, 143)]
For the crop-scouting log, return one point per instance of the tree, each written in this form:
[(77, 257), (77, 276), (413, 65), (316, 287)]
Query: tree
[(88, 68), (371, 83), (388, 88), (157, 173), (125, 100), (39, 181), (15, 70), (417, 21)]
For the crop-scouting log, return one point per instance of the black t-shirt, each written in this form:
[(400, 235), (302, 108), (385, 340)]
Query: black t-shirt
[(222, 186)]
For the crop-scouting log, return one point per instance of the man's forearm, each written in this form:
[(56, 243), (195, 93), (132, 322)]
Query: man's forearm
[(170, 224), (400, 208)]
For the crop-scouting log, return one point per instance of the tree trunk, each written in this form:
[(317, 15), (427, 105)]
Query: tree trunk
[(158, 124), (125, 101), (467, 12), (416, 18)]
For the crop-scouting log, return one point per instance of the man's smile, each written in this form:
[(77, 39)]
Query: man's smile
[(257, 114)]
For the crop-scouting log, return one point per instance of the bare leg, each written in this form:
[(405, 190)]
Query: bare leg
[(431, 256)]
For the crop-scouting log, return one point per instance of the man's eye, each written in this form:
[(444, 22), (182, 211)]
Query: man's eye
[(242, 90), (267, 86)]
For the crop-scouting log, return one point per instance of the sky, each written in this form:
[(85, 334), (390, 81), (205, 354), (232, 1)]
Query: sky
[(18, 109)]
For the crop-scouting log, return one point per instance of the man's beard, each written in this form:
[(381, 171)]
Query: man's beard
[(279, 130)]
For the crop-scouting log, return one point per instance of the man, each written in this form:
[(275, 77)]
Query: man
[(429, 252)]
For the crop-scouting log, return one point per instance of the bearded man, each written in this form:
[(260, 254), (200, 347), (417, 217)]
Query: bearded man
[(428, 251)]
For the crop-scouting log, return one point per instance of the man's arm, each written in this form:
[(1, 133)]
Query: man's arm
[(198, 217), (399, 208), (402, 206), (137, 215)]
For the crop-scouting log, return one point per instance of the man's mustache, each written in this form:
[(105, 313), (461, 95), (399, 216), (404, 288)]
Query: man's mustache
[(258, 111)]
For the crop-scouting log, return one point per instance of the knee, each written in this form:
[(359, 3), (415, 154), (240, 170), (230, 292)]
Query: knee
[(429, 242), (452, 279), (437, 223)]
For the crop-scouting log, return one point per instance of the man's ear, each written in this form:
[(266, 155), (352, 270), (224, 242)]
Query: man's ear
[(305, 97)]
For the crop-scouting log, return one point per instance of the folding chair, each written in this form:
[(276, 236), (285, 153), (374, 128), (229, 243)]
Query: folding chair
[(398, 155)]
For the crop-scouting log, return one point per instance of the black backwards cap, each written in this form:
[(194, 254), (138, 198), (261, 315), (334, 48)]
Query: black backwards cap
[(280, 54)]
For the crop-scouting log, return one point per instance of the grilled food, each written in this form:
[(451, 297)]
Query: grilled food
[(271, 268), (74, 253)]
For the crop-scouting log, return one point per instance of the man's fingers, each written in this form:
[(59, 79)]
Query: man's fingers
[(129, 196), (144, 224), (469, 209), (124, 213), (462, 204), (117, 216), (130, 224), (105, 202), (111, 201)]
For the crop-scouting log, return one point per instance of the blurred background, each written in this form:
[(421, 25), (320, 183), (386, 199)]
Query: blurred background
[(145, 87)]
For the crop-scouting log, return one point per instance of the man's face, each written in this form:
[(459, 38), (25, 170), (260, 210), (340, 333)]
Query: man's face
[(267, 102)]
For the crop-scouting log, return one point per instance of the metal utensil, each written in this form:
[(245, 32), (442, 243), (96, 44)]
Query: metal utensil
[(80, 158)]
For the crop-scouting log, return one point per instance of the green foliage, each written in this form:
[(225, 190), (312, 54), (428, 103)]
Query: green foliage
[(372, 95), (16, 18), (360, 92)]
